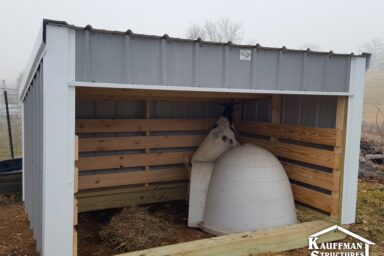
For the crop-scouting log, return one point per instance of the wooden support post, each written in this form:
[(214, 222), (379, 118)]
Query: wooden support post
[(341, 112), (75, 202), (237, 118), (276, 111), (147, 133)]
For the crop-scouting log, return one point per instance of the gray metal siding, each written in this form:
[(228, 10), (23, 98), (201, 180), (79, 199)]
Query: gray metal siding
[(305, 110), (123, 58), (316, 111), (33, 154)]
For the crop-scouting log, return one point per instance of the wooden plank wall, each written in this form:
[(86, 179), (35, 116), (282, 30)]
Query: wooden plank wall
[(154, 170), (312, 157)]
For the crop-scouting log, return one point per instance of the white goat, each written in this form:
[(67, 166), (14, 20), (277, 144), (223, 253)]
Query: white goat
[(219, 140)]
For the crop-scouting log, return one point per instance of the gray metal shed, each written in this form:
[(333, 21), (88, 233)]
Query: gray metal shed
[(93, 82)]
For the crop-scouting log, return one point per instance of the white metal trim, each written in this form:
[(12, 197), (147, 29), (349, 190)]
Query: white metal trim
[(58, 142), (199, 89), (352, 141)]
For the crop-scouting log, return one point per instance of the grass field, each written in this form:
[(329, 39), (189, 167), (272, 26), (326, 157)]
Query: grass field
[(4, 140), (373, 103)]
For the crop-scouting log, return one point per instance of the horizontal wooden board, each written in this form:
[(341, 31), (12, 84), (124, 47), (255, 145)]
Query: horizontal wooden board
[(262, 241), (137, 125), (139, 142), (310, 176), (131, 178), (116, 198), (133, 160), (323, 136), (140, 94), (305, 154), (312, 198)]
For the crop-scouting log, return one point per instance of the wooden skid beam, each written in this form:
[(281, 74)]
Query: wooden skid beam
[(137, 94), (312, 198), (323, 136), (133, 160), (117, 198), (139, 142), (305, 154), (310, 176), (131, 178), (248, 243), (137, 125)]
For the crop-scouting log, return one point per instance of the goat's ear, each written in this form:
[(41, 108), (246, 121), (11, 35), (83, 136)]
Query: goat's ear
[(233, 128)]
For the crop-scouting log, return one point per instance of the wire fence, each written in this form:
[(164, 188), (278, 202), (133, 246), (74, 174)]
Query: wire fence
[(10, 131)]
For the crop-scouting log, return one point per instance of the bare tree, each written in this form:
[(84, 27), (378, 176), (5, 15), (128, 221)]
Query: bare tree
[(376, 48), (195, 31), (222, 30)]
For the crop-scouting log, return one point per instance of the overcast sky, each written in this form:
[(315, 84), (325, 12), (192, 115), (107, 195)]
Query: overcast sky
[(340, 25)]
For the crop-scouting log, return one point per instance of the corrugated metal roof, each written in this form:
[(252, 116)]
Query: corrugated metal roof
[(167, 37), (117, 57)]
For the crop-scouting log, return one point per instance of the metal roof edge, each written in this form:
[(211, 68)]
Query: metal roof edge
[(199, 40), (33, 63), (201, 89)]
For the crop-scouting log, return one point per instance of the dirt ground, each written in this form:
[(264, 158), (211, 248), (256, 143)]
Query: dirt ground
[(16, 237)]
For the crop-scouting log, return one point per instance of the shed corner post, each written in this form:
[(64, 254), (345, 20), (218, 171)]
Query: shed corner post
[(58, 141), (352, 141)]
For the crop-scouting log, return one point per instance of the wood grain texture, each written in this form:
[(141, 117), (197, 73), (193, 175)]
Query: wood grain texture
[(139, 142), (110, 94), (137, 125), (116, 198), (341, 119), (309, 176), (312, 198), (133, 160), (276, 112), (131, 178), (315, 156), (268, 241), (323, 136), (75, 201)]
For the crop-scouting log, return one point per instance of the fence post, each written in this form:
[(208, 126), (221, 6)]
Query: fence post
[(9, 124)]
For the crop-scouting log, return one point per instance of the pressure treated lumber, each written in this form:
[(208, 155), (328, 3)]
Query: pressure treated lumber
[(305, 154), (323, 136), (310, 176), (340, 123), (132, 160), (248, 243), (137, 125), (131, 178), (139, 142), (312, 198), (141, 94), (121, 197)]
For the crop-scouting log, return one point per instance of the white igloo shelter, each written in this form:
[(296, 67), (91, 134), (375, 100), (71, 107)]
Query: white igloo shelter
[(248, 190)]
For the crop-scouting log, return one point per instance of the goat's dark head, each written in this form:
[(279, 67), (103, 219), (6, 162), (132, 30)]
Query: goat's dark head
[(229, 110)]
